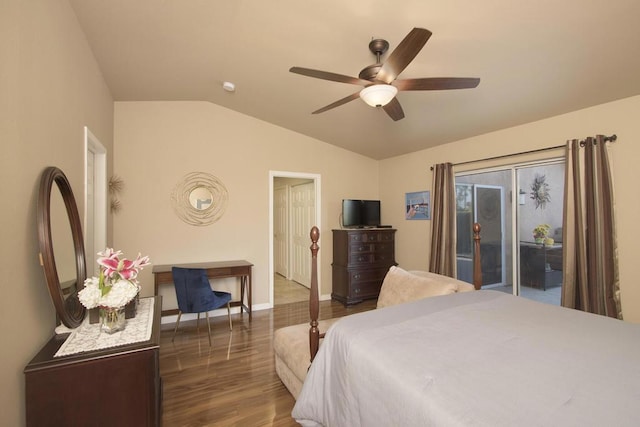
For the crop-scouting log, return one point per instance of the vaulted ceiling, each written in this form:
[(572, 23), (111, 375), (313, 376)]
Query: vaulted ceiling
[(535, 59)]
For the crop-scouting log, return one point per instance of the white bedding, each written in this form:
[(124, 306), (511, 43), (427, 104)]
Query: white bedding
[(480, 358)]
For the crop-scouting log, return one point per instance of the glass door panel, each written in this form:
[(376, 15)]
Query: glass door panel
[(484, 198), (540, 210)]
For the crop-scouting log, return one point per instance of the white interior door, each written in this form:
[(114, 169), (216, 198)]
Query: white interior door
[(95, 200), (281, 231), (89, 240), (302, 219)]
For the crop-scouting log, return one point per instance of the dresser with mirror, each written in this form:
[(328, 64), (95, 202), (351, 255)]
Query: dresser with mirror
[(78, 378)]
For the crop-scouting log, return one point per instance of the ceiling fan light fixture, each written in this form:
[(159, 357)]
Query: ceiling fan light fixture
[(378, 95)]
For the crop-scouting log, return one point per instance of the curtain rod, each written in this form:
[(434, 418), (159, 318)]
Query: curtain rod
[(611, 138)]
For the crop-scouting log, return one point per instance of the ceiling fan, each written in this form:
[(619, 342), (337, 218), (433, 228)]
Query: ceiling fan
[(380, 79)]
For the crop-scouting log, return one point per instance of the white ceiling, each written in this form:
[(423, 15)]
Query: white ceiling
[(535, 59)]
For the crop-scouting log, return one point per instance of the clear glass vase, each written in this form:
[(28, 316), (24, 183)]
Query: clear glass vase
[(112, 319)]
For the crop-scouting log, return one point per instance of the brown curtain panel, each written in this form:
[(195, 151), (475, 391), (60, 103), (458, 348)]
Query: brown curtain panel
[(443, 221), (590, 258)]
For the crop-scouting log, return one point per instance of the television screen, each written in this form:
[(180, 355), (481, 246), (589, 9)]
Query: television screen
[(360, 213), (370, 214), (351, 213)]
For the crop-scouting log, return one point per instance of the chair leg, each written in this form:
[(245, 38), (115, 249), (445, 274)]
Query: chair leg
[(176, 328), (198, 324), (209, 326), (229, 314)]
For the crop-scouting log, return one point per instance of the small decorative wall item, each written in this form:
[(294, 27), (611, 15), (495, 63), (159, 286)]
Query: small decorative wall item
[(540, 191), (417, 205), (521, 199), (199, 199), (116, 185)]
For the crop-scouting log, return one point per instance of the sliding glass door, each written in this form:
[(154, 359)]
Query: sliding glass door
[(510, 203)]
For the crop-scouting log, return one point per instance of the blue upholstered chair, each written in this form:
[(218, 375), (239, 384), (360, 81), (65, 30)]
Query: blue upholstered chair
[(195, 295)]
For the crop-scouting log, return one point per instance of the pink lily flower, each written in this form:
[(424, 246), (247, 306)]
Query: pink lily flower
[(109, 261), (115, 267)]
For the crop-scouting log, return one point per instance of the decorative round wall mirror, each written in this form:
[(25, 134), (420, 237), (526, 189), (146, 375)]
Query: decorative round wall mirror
[(61, 246), (199, 199)]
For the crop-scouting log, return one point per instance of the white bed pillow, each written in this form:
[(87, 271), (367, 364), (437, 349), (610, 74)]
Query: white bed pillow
[(400, 286)]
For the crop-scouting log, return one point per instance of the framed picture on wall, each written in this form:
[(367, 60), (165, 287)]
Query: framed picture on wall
[(417, 205)]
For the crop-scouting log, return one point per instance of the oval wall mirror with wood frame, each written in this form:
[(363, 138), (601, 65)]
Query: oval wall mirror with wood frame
[(59, 253)]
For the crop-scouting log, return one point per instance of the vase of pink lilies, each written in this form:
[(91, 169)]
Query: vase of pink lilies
[(116, 286)]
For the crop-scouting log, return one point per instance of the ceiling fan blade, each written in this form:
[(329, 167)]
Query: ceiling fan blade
[(437, 83), (338, 103), (394, 110), (325, 75), (403, 54)]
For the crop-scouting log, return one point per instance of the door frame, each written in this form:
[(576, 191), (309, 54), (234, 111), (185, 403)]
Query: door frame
[(316, 178)]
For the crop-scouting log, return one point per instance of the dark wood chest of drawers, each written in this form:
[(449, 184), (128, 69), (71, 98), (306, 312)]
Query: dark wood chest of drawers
[(119, 386), (361, 259)]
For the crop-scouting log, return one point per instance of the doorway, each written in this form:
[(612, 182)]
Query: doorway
[(510, 203), (294, 209)]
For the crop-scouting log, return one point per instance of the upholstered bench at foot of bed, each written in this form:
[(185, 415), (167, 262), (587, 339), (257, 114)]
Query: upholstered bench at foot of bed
[(291, 346)]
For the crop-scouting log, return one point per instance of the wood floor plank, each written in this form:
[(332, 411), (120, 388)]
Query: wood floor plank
[(233, 382)]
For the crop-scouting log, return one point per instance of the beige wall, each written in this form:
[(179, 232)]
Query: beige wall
[(157, 143), (50, 88), (411, 173)]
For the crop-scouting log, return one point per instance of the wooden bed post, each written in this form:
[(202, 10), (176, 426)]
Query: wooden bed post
[(314, 304), (477, 266)]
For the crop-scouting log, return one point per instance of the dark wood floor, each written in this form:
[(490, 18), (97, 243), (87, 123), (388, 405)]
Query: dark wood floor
[(233, 382)]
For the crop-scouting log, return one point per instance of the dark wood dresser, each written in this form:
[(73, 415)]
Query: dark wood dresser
[(361, 259), (119, 386)]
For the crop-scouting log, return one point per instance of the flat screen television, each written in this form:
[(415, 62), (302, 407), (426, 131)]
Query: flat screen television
[(360, 213)]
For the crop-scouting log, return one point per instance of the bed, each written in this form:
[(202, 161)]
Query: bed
[(481, 358)]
